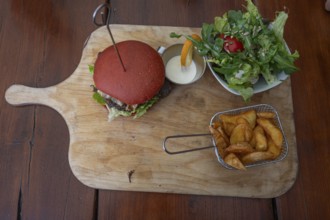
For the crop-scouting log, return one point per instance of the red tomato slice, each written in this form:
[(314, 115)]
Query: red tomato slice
[(231, 44)]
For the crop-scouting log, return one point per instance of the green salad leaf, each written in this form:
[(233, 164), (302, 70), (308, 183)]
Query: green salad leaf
[(91, 69), (113, 113), (138, 112), (98, 98), (279, 23), (141, 109), (265, 52)]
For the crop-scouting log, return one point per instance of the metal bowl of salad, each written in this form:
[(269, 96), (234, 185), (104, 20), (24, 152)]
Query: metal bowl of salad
[(246, 53)]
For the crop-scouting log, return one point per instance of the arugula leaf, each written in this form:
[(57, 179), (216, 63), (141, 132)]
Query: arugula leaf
[(284, 63), (175, 35)]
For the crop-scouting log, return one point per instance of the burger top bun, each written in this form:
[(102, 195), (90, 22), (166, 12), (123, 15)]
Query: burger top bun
[(143, 78)]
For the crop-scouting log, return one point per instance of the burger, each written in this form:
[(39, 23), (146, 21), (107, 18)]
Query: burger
[(132, 88)]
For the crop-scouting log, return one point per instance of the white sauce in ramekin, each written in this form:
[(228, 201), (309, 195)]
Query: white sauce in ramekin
[(178, 74)]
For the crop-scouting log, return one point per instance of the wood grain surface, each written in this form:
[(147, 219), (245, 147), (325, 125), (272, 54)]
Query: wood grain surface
[(102, 153), (41, 45)]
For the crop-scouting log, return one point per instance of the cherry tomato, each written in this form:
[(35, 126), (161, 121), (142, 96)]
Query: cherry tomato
[(231, 44)]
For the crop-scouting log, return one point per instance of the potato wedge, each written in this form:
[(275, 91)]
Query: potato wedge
[(239, 148), (269, 115), (272, 130), (250, 116), (220, 141), (225, 137), (241, 133), (216, 124), (248, 137), (241, 120), (253, 142), (256, 157), (232, 160), (228, 123), (259, 139), (272, 148), (228, 128), (226, 118)]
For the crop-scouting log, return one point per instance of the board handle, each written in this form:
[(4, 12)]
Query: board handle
[(19, 95)]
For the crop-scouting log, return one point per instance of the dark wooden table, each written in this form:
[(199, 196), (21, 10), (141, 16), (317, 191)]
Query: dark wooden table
[(41, 44)]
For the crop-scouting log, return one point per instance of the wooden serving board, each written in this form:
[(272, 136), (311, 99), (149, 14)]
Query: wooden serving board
[(127, 154)]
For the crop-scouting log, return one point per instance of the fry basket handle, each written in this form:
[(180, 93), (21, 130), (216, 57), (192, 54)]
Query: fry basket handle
[(184, 136)]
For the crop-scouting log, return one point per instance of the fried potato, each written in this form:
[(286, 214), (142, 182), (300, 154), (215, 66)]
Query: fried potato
[(226, 118), (228, 123), (253, 141), (241, 120), (240, 148), (256, 156), (272, 148), (220, 141), (247, 138), (228, 127), (269, 115), (250, 116), (241, 133), (271, 129), (225, 137), (216, 124), (259, 140), (232, 160)]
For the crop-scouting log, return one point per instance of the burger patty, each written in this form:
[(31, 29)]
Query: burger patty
[(164, 91)]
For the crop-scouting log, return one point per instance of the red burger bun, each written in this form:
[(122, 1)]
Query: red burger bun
[(143, 78)]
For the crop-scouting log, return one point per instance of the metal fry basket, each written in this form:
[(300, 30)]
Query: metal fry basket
[(257, 108), (216, 118)]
